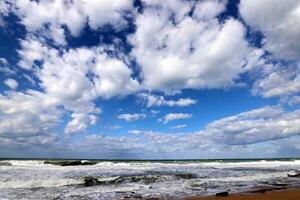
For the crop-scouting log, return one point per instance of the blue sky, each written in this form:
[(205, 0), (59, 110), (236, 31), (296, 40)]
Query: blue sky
[(149, 79)]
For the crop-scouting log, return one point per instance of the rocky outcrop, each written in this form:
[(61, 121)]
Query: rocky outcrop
[(294, 175), (222, 194), (91, 181), (5, 163), (186, 176), (69, 162)]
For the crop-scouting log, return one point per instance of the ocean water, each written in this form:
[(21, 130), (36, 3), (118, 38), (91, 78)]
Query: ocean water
[(32, 179)]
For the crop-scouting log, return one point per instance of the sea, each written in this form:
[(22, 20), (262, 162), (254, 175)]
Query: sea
[(141, 179)]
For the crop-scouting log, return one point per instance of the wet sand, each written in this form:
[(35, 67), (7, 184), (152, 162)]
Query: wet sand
[(275, 195)]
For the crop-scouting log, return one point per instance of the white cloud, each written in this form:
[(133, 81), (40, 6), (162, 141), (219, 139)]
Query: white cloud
[(209, 9), (178, 126), (114, 78), (280, 82), (267, 123), (154, 100), (80, 75), (187, 52), (131, 117), (32, 50), (103, 12), (4, 67), (175, 116), (294, 100), (27, 114), (4, 9), (80, 122), (72, 14), (11, 83), (278, 21)]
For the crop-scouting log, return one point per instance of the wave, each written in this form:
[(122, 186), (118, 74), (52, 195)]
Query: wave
[(157, 164), (38, 183)]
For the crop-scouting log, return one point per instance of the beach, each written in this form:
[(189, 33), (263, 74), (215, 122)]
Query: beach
[(293, 194)]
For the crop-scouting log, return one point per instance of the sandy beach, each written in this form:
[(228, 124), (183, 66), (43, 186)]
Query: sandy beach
[(275, 195)]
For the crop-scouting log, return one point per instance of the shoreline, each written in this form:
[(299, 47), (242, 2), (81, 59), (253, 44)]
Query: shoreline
[(279, 194)]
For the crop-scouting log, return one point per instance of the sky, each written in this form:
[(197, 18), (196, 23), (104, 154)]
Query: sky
[(149, 79)]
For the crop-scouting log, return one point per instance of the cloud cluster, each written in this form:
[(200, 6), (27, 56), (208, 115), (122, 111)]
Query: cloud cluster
[(226, 137), (176, 50), (175, 116), (259, 125), (155, 100), (11, 83), (80, 75), (131, 117), (177, 45), (278, 22), (70, 15), (27, 114)]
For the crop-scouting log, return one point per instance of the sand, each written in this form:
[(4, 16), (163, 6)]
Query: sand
[(276, 195)]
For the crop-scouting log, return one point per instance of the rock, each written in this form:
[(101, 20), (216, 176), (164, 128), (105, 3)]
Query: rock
[(137, 196), (222, 194), (186, 176), (294, 175), (5, 163), (90, 181), (279, 184), (69, 162)]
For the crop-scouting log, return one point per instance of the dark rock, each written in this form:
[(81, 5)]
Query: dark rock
[(69, 162), (186, 176), (222, 194), (279, 184), (137, 196), (294, 175), (91, 181), (5, 164)]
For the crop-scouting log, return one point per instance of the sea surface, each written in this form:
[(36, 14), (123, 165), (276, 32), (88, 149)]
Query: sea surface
[(33, 179)]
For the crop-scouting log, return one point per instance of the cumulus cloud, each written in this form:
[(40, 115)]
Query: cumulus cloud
[(74, 15), (240, 132), (11, 83), (80, 75), (4, 67), (278, 21), (155, 100), (177, 45), (131, 117), (209, 9), (80, 122), (27, 114), (259, 125), (280, 82), (175, 116), (178, 51)]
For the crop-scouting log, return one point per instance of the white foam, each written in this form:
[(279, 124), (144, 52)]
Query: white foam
[(25, 162), (256, 164), (34, 183)]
